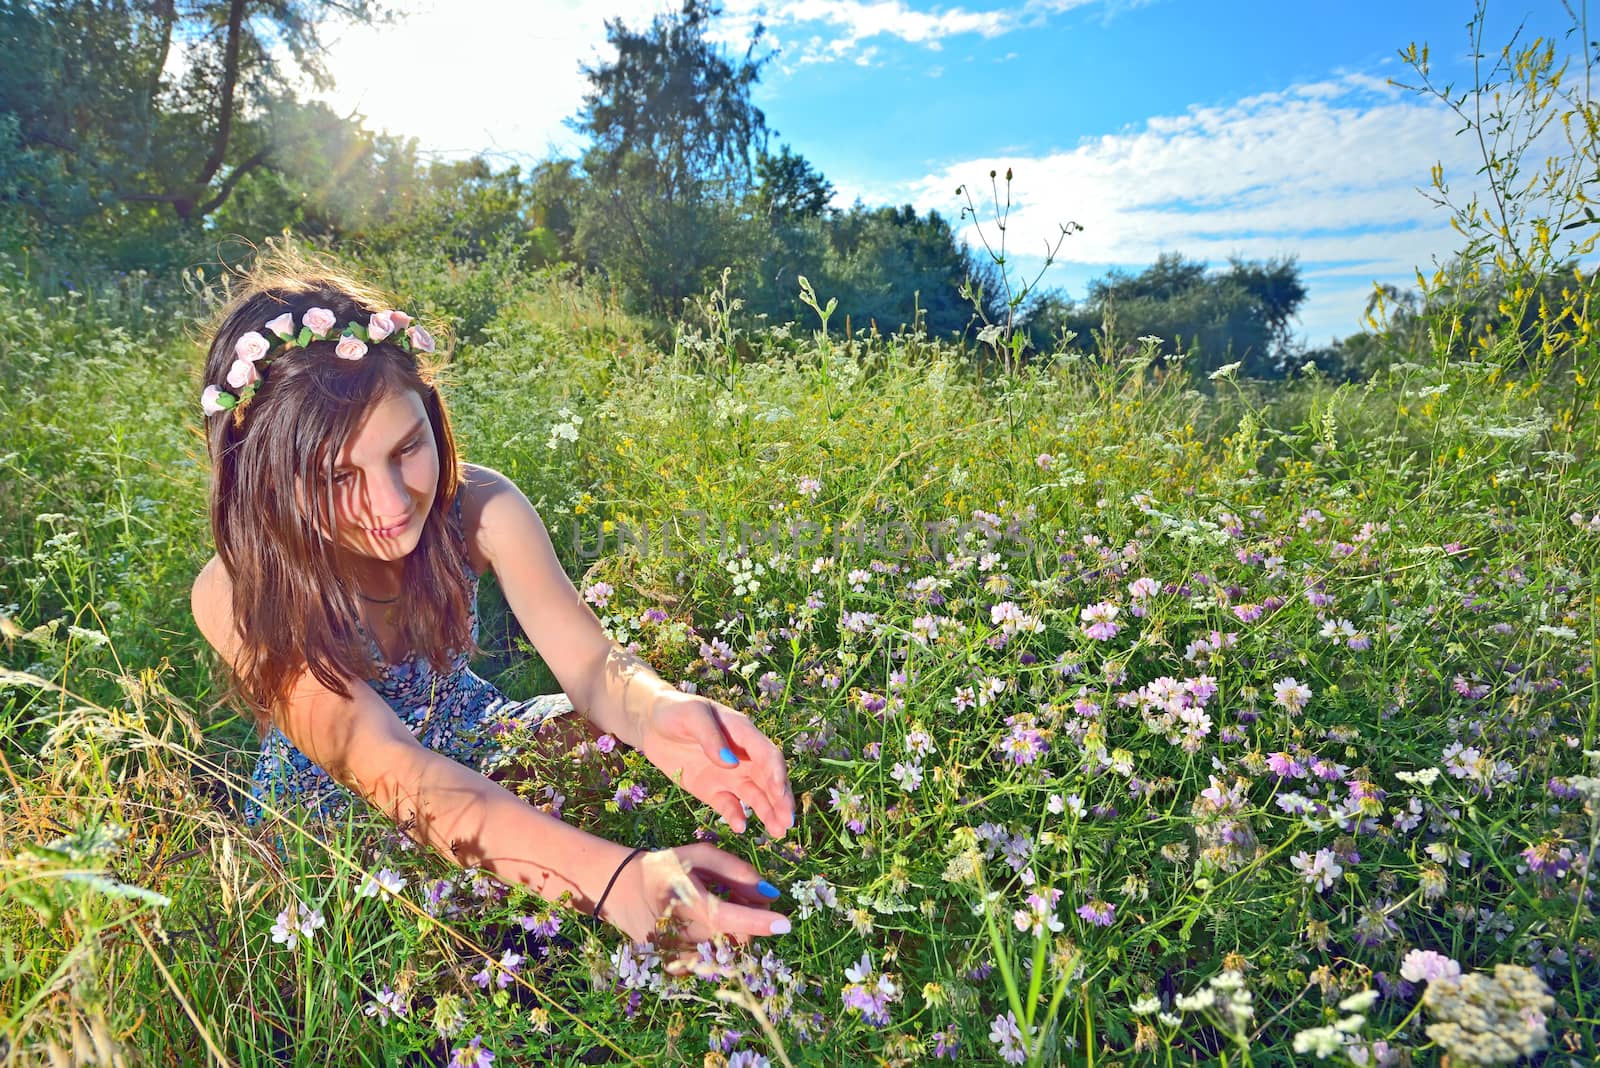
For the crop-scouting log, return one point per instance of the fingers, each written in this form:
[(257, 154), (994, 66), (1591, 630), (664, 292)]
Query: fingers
[(775, 818), (740, 876), (708, 731), (766, 774), (728, 917), (727, 805), (680, 877)]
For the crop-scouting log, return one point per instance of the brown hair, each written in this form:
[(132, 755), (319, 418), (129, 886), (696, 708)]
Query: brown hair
[(272, 475)]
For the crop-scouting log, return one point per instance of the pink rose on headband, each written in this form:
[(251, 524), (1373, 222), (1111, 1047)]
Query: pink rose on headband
[(242, 373), (251, 347), (320, 321), (283, 326), (421, 340), (381, 325), (350, 348), (208, 400), (401, 319)]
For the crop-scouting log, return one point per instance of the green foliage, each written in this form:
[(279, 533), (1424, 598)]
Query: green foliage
[(1514, 293), (673, 128), (102, 120), (1241, 314), (1430, 508), (790, 188)]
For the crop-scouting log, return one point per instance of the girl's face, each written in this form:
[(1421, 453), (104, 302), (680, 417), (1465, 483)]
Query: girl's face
[(385, 479)]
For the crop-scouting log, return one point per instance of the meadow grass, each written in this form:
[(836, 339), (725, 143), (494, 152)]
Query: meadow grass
[(1133, 719)]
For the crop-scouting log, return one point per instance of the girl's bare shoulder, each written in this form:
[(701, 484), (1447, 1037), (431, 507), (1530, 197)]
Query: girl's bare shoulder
[(479, 485), (211, 602), (488, 498)]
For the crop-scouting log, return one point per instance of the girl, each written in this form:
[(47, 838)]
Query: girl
[(343, 600)]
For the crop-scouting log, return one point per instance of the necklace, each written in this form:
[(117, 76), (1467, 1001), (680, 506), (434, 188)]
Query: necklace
[(391, 613)]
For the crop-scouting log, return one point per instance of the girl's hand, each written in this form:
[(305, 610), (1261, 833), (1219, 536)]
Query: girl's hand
[(720, 757), (671, 884)]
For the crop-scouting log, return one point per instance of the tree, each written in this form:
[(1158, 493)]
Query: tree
[(673, 128), (790, 188), (104, 124), (1240, 314)]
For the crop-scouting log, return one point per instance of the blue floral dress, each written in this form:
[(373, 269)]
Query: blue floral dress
[(456, 713)]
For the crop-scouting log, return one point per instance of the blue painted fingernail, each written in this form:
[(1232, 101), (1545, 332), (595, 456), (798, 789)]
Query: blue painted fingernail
[(780, 926), (727, 757), (768, 889)]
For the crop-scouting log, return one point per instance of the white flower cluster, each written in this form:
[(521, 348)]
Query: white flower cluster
[(564, 431), (1483, 1020), (1224, 998)]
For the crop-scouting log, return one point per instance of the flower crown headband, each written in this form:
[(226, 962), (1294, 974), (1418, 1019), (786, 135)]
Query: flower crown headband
[(254, 351)]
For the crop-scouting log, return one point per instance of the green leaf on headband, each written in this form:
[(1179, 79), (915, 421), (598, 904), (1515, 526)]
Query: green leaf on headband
[(226, 400), (356, 330), (305, 337)]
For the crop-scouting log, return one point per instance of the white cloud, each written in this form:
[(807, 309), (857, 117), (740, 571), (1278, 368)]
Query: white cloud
[(1327, 171), (852, 22)]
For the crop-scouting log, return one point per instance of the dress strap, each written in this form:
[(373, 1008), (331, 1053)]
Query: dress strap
[(456, 523), (459, 527)]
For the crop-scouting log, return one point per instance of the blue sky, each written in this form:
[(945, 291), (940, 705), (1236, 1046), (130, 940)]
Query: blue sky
[(1211, 129)]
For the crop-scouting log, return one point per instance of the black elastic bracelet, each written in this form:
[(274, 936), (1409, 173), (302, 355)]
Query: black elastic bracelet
[(613, 882)]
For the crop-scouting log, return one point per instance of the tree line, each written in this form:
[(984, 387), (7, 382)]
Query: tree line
[(138, 131)]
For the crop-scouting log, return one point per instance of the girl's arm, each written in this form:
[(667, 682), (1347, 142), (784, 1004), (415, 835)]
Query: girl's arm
[(476, 822), (713, 751), (479, 823)]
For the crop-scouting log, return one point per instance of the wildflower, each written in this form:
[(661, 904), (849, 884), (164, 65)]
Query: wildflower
[(1146, 1005), (1040, 914), (868, 992), (386, 1004), (449, 1015), (1373, 927), (1548, 859), (1098, 621), (1008, 1038), (386, 881), (1424, 965), (1143, 587), (1024, 744), (542, 925), (808, 488), (502, 973), (849, 805), (908, 775), (295, 923), (1320, 1042), (1424, 778), (629, 796), (1285, 767), (1097, 912), (637, 966), (946, 1043), (436, 900), (472, 1055), (1432, 882), (1319, 871), (1480, 1020), (1013, 620), (1292, 694), (748, 1059)]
